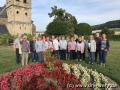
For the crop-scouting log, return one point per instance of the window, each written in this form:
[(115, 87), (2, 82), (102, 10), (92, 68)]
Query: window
[(26, 13), (18, 0), (25, 1), (20, 27), (17, 12)]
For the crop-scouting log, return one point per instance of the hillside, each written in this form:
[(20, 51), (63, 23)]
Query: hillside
[(110, 24)]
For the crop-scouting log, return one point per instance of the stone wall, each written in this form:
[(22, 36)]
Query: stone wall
[(3, 21)]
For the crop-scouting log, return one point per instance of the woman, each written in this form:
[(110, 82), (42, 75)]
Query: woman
[(92, 49), (72, 48), (80, 49), (104, 49), (55, 43), (63, 48), (25, 50), (40, 48)]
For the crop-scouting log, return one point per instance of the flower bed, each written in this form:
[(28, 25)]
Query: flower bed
[(52, 76)]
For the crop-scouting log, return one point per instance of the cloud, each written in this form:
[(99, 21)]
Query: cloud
[(2, 2), (90, 11)]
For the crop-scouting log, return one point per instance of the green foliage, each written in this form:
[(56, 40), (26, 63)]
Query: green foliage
[(6, 39), (83, 29), (57, 28), (107, 31), (29, 36), (110, 24), (115, 37), (61, 18)]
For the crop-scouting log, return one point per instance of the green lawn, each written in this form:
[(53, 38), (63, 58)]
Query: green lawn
[(112, 69)]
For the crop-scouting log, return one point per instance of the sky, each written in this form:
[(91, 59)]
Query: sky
[(89, 11)]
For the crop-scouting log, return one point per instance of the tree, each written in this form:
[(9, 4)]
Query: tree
[(63, 19), (57, 28), (105, 30), (83, 29)]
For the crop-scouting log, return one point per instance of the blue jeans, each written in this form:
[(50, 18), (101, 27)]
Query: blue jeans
[(92, 57), (40, 57), (98, 56), (103, 56), (34, 56)]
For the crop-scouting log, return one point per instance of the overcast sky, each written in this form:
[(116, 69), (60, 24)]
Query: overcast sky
[(89, 11)]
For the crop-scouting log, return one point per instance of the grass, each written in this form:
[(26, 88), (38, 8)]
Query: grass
[(112, 69)]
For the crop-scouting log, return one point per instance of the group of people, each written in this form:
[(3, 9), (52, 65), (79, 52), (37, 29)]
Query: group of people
[(94, 49)]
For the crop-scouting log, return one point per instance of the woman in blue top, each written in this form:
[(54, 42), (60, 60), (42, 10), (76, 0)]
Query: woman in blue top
[(104, 49)]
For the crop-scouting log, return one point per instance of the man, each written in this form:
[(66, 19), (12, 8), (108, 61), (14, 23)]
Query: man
[(63, 48), (32, 49), (17, 48), (98, 47)]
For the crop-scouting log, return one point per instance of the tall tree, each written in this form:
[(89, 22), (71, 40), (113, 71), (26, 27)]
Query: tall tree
[(61, 16)]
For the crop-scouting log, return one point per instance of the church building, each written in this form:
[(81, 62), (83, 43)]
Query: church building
[(16, 17)]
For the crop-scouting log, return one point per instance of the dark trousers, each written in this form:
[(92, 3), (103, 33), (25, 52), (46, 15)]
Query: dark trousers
[(67, 55), (98, 55), (34, 56), (103, 57), (63, 54), (72, 54), (83, 56), (79, 55), (17, 56), (56, 54)]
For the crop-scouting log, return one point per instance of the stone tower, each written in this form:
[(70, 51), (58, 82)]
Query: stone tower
[(19, 16)]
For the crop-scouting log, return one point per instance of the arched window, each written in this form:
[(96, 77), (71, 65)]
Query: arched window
[(25, 1), (17, 12), (26, 13)]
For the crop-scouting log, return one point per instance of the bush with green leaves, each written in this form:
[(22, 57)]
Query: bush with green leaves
[(83, 29), (6, 39), (57, 28)]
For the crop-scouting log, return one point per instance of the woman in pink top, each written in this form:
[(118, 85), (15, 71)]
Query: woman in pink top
[(72, 48)]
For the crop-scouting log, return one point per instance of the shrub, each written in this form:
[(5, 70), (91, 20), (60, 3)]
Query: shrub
[(6, 39), (115, 37)]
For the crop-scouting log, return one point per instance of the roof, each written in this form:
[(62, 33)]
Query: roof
[(3, 12)]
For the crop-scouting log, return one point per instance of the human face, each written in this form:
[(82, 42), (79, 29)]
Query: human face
[(91, 37), (97, 35), (47, 38), (53, 37), (80, 39), (63, 38), (72, 39), (34, 39), (104, 36), (39, 38)]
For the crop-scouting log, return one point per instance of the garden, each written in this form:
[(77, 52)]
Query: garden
[(58, 75), (54, 76)]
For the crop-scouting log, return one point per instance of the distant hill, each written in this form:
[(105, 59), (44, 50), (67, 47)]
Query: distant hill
[(110, 24)]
